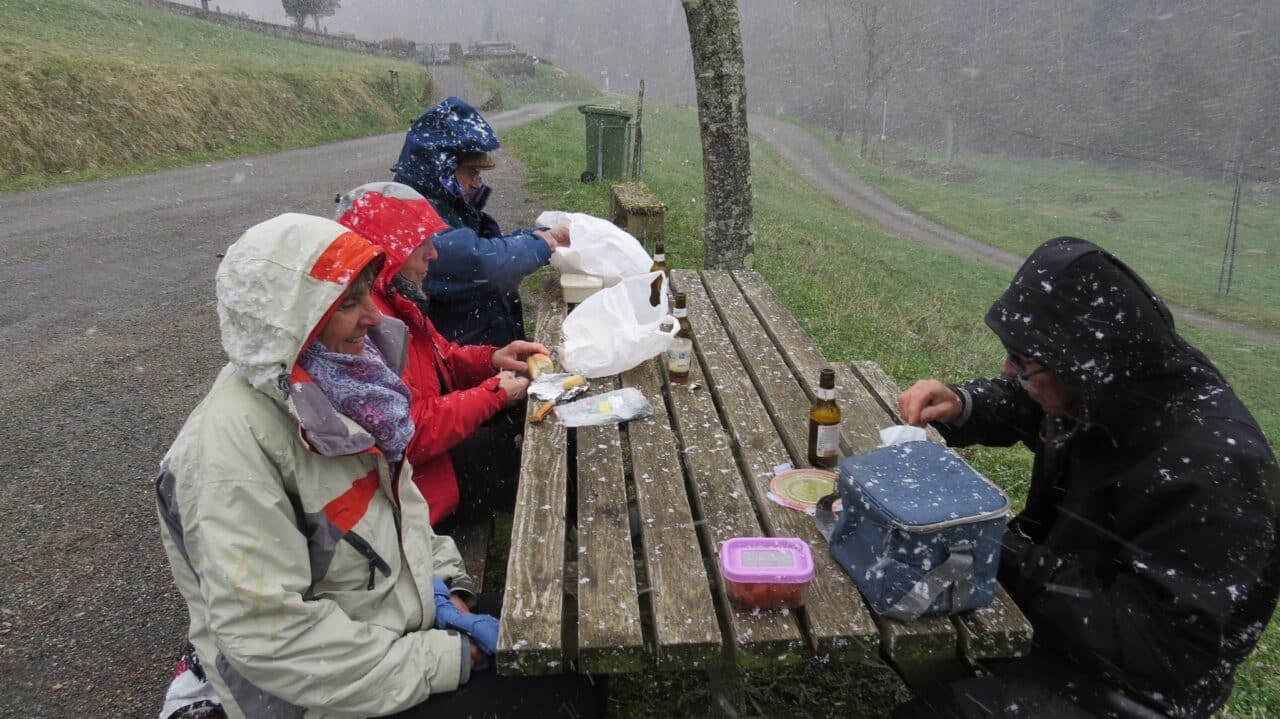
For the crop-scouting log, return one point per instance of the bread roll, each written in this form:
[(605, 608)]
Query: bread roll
[(539, 364)]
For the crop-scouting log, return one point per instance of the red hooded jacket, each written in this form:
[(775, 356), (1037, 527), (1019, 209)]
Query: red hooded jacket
[(455, 387)]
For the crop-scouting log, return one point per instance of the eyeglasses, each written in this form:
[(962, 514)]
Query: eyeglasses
[(1020, 369)]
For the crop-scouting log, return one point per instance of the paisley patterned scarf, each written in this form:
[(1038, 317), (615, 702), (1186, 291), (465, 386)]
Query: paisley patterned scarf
[(363, 388)]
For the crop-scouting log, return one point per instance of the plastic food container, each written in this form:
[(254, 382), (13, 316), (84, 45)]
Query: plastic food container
[(766, 572), (577, 288)]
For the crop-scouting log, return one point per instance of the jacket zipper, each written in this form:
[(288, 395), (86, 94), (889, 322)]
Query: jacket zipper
[(376, 562)]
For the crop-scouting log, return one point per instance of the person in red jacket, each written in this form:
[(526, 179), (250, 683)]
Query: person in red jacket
[(455, 388)]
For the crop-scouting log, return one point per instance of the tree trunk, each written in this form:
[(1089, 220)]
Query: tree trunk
[(715, 38)]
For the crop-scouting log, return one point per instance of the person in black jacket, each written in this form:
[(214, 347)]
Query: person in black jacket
[(1148, 555)]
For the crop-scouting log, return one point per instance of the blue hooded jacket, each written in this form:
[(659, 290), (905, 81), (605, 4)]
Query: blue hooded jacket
[(474, 284)]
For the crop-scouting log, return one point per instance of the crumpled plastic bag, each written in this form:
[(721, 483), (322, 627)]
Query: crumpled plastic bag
[(613, 407), (616, 329), (900, 433), (596, 247)]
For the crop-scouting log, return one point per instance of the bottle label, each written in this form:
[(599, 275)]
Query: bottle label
[(828, 443), (660, 257), (826, 393), (680, 312), (680, 355)]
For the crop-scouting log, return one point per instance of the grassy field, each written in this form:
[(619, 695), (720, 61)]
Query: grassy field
[(1171, 228), (102, 88), (862, 295)]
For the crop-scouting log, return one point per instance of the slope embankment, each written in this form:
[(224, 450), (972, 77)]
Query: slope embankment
[(97, 89)]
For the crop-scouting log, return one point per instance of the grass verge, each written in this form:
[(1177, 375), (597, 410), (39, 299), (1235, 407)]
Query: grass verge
[(861, 294), (105, 88)]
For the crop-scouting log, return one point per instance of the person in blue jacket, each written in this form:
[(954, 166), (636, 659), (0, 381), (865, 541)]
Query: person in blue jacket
[(474, 284)]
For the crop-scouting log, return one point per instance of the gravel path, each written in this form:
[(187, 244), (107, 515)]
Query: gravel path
[(107, 316), (811, 159)]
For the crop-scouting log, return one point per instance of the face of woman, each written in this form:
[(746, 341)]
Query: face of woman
[(346, 328), (415, 267)]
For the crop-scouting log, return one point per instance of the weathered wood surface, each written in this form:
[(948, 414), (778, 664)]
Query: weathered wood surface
[(916, 646), (609, 628), (748, 374), (531, 640), (686, 633), (724, 506)]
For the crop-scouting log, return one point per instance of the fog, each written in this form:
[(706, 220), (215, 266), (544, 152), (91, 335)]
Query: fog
[(1188, 84)]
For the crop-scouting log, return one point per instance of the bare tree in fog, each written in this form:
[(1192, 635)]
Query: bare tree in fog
[(715, 38), (299, 10)]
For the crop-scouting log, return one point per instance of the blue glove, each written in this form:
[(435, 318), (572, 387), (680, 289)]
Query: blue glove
[(482, 628)]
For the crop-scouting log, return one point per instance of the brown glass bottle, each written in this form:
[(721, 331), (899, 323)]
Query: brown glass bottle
[(679, 356), (824, 424), (659, 265)]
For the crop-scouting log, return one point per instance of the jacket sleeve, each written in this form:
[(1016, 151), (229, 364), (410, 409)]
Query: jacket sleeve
[(244, 544), (1201, 540), (466, 260), (1000, 414), (471, 364), (442, 421)]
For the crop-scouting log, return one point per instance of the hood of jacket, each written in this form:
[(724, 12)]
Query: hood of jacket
[(392, 216), (435, 143), (276, 285), (1087, 316)]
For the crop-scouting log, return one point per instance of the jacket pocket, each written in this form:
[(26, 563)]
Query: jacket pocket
[(376, 562)]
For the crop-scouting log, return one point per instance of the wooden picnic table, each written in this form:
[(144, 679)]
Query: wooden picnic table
[(581, 594)]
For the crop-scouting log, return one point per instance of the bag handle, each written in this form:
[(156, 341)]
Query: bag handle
[(955, 573), (671, 320), (825, 516)]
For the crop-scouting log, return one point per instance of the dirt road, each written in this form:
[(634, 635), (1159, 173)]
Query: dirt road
[(812, 160), (107, 318)]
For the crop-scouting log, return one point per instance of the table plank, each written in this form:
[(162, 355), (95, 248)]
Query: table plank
[(916, 646), (610, 639), (998, 630), (723, 509), (836, 620), (531, 639), (686, 633)]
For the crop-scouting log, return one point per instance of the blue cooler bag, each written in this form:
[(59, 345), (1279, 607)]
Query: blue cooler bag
[(919, 531)]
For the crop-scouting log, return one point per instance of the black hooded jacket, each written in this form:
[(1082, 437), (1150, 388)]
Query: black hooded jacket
[(1149, 550)]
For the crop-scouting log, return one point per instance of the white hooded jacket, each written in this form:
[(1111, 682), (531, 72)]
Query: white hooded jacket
[(306, 567)]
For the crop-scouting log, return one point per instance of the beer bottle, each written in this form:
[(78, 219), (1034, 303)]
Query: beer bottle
[(679, 356), (659, 265), (824, 424)]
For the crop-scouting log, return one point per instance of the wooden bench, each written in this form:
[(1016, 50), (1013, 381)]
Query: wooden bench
[(634, 208), (580, 594)]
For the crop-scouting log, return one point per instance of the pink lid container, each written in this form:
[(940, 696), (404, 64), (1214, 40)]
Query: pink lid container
[(766, 559), (766, 572)]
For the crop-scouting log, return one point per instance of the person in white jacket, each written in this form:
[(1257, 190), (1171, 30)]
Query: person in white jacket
[(293, 530)]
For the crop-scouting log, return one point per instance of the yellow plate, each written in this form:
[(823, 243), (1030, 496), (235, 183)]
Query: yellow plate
[(802, 488)]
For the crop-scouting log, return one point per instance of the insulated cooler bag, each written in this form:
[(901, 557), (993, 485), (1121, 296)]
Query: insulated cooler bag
[(919, 532)]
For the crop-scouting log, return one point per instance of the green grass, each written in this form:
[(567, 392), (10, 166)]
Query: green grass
[(1171, 228), (862, 294), (101, 88)]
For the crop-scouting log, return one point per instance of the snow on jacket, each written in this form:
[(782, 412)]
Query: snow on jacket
[(474, 284), (455, 388), (305, 563), (1149, 549)]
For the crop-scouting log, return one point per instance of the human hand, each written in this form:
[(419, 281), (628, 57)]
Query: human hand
[(929, 401), (478, 659), (554, 237), (458, 602), (515, 387), (512, 356)]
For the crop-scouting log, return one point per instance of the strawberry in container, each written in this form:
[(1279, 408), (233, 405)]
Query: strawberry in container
[(766, 572)]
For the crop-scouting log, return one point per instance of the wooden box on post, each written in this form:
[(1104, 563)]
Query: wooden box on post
[(634, 208)]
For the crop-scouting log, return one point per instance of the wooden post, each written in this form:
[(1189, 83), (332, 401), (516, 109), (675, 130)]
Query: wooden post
[(395, 86)]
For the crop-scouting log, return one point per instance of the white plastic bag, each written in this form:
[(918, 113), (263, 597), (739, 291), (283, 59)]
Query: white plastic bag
[(596, 247), (616, 329)]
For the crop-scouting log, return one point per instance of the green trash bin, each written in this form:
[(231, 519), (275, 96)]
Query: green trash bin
[(608, 136)]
